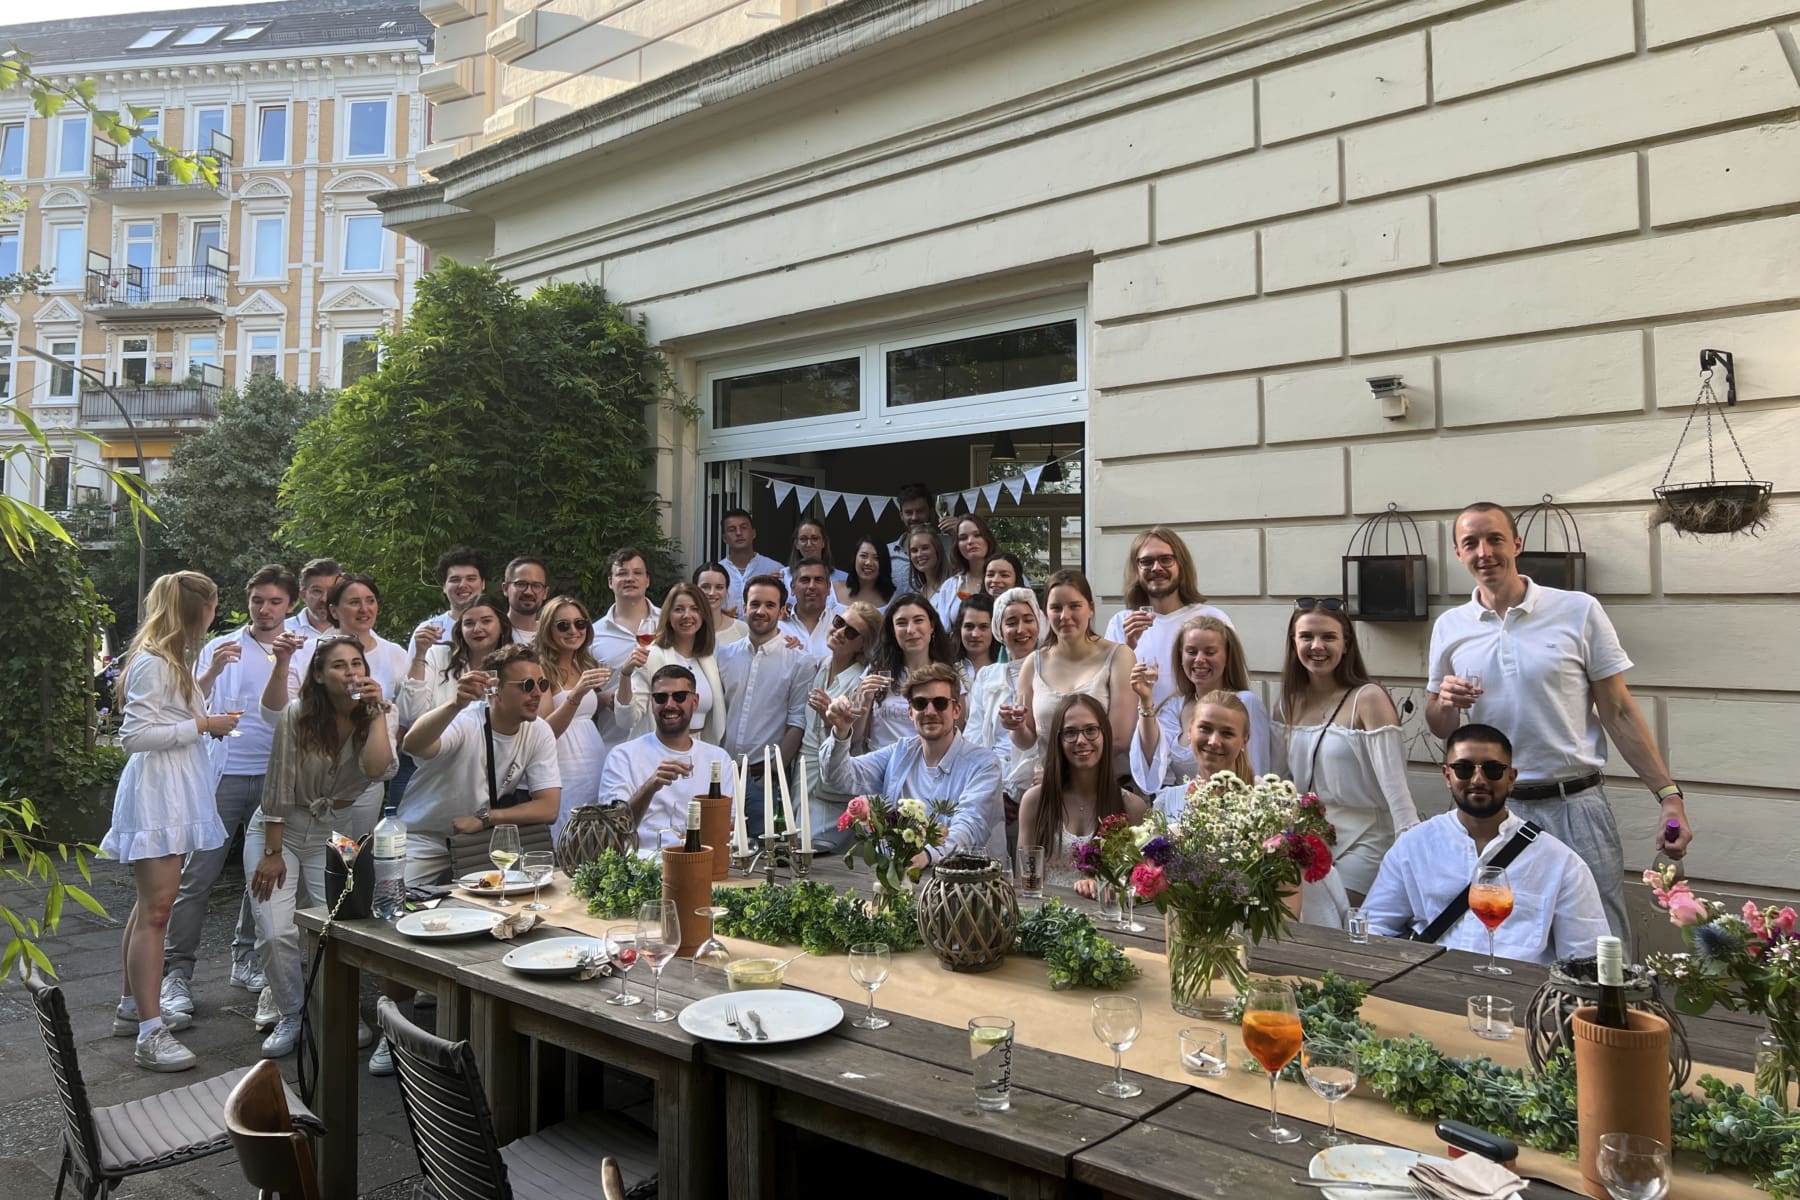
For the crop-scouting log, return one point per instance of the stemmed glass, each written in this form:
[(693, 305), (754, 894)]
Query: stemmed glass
[(1330, 1071), (1633, 1167), (1491, 900), (539, 866), (712, 952), (646, 631), (1272, 1034), (235, 706), (869, 967), (1127, 922), (621, 948), (658, 937), (503, 852), (1116, 1021)]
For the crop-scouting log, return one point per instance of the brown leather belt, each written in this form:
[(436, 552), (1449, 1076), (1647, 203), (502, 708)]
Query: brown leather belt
[(1553, 791)]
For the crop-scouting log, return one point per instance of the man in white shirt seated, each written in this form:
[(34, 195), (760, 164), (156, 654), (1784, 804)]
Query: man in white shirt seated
[(658, 773), (809, 621), (474, 760), (938, 764), (1556, 905)]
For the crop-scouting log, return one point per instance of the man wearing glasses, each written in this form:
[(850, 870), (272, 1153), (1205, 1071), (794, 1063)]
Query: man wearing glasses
[(938, 764), (1556, 907), (658, 773), (1160, 596), (527, 586)]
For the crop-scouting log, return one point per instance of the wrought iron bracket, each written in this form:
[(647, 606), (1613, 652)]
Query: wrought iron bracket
[(1721, 358)]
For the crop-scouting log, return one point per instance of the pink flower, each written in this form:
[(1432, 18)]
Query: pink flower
[(1274, 844), (1654, 881), (857, 809), (1147, 881), (1753, 917), (1684, 908), (844, 821), (1785, 921)]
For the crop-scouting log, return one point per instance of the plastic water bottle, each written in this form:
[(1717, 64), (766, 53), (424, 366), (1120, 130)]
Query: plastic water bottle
[(389, 846)]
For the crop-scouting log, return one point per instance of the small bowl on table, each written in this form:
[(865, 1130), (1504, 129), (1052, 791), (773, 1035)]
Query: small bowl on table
[(754, 974)]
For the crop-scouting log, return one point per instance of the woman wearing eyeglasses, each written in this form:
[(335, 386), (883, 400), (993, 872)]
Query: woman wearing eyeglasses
[(684, 638), (853, 632), (480, 629), (1078, 789), (1337, 734), (578, 683), (1208, 656)]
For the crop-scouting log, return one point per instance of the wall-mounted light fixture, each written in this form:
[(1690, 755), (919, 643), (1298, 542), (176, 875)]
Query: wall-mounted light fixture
[(1391, 391), (1003, 449)]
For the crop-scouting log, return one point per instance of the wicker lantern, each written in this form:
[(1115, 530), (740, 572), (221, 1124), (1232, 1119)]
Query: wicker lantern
[(1560, 561), (1386, 574), (968, 913), (593, 829), (1574, 983)]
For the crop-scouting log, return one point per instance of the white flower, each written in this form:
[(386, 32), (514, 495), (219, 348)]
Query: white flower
[(912, 810), (913, 837)]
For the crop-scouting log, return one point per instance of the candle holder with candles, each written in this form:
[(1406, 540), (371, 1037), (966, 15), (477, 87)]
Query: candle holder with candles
[(769, 842), (801, 860)]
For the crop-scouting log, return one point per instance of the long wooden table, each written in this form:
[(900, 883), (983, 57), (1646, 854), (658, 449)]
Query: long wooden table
[(721, 1109)]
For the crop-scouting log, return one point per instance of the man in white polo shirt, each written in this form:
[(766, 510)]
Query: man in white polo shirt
[(1159, 576), (658, 773), (1546, 667)]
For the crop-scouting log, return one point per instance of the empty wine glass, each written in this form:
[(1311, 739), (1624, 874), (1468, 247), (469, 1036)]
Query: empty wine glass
[(621, 948), (539, 866), (1633, 1167), (869, 967), (503, 852), (1330, 1071), (658, 937), (1491, 900), (1116, 1021), (712, 952)]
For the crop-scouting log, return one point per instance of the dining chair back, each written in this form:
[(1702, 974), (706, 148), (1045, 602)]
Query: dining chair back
[(276, 1158), (469, 851), (452, 1126)]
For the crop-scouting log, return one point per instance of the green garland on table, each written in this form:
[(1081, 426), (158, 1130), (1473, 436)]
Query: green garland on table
[(814, 917), (614, 884), (1072, 949)]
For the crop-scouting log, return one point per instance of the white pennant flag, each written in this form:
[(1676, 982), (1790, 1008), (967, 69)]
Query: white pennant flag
[(805, 496), (878, 505), (991, 493), (1016, 485), (970, 497), (782, 491), (1032, 474), (830, 500), (853, 502)]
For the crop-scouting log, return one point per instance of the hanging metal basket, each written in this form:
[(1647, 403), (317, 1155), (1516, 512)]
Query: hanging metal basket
[(1386, 574), (1559, 562), (1714, 506)]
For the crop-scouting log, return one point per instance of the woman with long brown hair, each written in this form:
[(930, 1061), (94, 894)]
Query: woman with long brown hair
[(479, 630), (969, 554), (565, 650), (684, 638), (1078, 789)]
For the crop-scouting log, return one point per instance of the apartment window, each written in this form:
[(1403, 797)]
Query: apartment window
[(271, 133), (207, 235), (363, 242), (68, 255), (268, 247), (152, 38), (134, 360), (244, 34), (202, 352), (12, 150), (72, 146), (356, 357), (1008, 361), (820, 389), (56, 483), (140, 252), (265, 353), (6, 370), (366, 133), (143, 154), (9, 252), (208, 121), (62, 379)]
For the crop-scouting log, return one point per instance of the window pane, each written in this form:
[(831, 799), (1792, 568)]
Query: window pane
[(199, 35), (207, 122), (12, 150), (149, 127), (368, 128), (56, 483), (206, 237), (362, 243), (73, 150), (9, 253), (271, 134), (1041, 356), (356, 359), (69, 254), (6, 369), (62, 379), (814, 390), (268, 257), (264, 351), (150, 39)]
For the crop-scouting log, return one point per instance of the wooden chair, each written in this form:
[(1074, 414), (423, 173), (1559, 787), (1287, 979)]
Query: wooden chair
[(103, 1146), (453, 1129), (276, 1158), (469, 851)]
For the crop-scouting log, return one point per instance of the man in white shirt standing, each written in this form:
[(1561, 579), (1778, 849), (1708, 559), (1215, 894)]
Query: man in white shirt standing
[(1159, 576), (1546, 666), (622, 636), (317, 578), (527, 586), (658, 773), (1556, 907), (766, 682), (742, 562), (809, 622), (462, 578)]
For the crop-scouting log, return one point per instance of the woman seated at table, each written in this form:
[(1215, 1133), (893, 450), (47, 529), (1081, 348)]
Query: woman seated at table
[(1077, 790), (327, 748), (1208, 655), (481, 629), (684, 638)]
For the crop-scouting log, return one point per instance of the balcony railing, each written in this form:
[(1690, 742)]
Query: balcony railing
[(147, 179), (165, 290), (88, 523), (147, 403)]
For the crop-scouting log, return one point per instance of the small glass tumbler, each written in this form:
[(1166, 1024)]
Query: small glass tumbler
[(1203, 1050), (1491, 1017), (990, 1055), (1356, 924), (1031, 872)]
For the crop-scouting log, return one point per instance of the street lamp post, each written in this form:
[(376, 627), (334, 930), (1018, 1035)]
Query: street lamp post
[(137, 446)]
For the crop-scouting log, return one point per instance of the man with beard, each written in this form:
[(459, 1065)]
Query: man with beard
[(766, 682), (527, 586), (1556, 907), (1159, 576), (658, 773)]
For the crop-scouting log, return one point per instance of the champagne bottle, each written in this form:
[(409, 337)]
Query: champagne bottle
[(713, 791), (1609, 955), (692, 845)]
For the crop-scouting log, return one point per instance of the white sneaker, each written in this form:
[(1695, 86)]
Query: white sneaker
[(382, 1061), (161, 1052), (281, 1043), (177, 996), (364, 1035), (126, 1021), (247, 975), (267, 1012)]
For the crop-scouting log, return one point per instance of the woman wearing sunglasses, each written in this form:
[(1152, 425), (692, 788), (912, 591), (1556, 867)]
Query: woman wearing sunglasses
[(578, 701), (1077, 790), (853, 632), (1337, 734), (480, 629), (684, 638), (1208, 656)]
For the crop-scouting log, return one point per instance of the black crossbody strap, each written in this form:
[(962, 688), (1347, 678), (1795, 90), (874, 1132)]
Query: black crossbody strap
[(1453, 911), (487, 736)]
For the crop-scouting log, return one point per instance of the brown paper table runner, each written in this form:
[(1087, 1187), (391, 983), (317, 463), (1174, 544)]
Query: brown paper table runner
[(1058, 1022)]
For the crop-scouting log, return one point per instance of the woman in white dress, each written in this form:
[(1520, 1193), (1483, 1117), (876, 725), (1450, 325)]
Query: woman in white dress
[(684, 637), (1078, 789), (1072, 659), (163, 808), (969, 555), (1018, 623), (911, 637), (1337, 733), (715, 585), (853, 631), (871, 576), (565, 651), (1208, 655), (480, 629)]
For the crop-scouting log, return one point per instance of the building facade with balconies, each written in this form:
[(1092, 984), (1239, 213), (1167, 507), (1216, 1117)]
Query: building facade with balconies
[(169, 288)]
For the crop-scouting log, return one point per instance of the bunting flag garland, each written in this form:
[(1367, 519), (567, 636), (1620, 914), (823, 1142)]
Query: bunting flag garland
[(986, 496)]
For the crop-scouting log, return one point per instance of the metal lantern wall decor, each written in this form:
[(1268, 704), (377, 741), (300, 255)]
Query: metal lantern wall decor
[(1713, 506), (1551, 565), (1386, 574)]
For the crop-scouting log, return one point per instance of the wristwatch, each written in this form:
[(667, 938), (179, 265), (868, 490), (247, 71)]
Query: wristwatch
[(270, 851)]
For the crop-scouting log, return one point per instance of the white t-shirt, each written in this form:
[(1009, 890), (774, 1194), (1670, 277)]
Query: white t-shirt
[(760, 564), (633, 762), (453, 782), (1537, 667), (1158, 643), (243, 680)]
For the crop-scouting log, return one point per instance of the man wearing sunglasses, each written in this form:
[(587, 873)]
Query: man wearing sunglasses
[(938, 764), (1556, 905), (659, 772)]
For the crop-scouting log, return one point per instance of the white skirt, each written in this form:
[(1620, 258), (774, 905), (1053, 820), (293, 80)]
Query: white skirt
[(165, 805)]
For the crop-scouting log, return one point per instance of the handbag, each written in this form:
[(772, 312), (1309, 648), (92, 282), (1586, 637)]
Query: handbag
[(358, 877)]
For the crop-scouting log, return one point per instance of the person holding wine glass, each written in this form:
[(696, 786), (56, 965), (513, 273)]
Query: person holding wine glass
[(623, 633), (482, 629), (1424, 885), (684, 638), (912, 638), (973, 546), (853, 631), (578, 681)]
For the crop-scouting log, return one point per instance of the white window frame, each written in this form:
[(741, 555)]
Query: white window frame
[(73, 355), (252, 222), (84, 153), (343, 339), (9, 363), (122, 256), (24, 144), (197, 107), (17, 234), (384, 257), (53, 230), (191, 243), (247, 352), (346, 106), (120, 357), (188, 361), (257, 108)]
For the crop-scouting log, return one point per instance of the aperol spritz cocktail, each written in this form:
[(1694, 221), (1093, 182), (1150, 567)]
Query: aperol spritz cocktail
[(1272, 1034), (1491, 900)]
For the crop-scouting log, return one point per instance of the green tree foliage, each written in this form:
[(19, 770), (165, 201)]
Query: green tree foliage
[(512, 424)]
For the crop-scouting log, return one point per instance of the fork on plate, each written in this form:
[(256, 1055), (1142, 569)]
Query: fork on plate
[(731, 1019)]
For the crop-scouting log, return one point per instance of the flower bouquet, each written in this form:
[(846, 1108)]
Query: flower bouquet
[(1746, 961), (888, 837), (1110, 857), (1221, 873)]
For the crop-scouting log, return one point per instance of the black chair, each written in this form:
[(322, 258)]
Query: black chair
[(469, 851), (103, 1146), (276, 1158), (453, 1129)]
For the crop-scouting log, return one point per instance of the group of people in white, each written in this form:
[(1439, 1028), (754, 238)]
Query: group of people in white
[(957, 684)]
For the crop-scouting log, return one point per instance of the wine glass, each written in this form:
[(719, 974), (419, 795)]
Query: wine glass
[(658, 937), (1116, 1021), (621, 948), (1491, 900), (503, 851), (869, 967), (1633, 1167), (235, 706), (712, 952), (646, 631), (1272, 1035), (1330, 1071), (539, 866)]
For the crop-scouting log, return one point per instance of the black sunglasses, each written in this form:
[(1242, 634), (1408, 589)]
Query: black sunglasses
[(850, 631), (1328, 603), (921, 703), (577, 624), (1491, 769), (661, 698)]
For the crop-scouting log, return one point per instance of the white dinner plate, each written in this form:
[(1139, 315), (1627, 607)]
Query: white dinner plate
[(1364, 1164), (514, 884), (787, 1016), (552, 956), (443, 924)]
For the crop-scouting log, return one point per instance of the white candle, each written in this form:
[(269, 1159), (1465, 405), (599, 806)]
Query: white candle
[(768, 797), (740, 828), (805, 813), (787, 806)]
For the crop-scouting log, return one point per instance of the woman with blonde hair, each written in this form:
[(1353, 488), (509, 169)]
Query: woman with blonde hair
[(163, 808), (684, 638), (1208, 655), (854, 629), (565, 650)]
